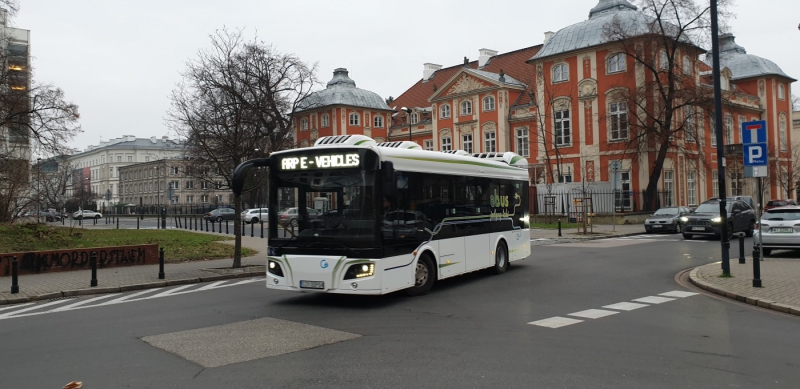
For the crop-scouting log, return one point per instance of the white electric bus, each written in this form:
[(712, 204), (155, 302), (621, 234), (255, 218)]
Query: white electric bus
[(352, 216)]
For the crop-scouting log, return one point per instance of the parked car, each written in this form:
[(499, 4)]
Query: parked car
[(778, 203), (86, 214), (706, 219), (779, 229), (254, 215), (220, 214), (667, 219), (49, 216), (747, 200), (290, 216)]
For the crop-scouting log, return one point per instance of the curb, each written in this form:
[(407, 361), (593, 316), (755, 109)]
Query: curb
[(557, 238), (125, 288), (752, 300)]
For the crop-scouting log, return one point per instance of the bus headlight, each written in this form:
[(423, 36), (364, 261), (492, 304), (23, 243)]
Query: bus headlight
[(360, 270), (274, 268)]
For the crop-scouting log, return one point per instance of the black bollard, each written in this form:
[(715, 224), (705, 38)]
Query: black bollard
[(213, 229), (93, 263), (80, 221), (117, 222), (262, 228), (184, 222), (756, 267), (251, 229), (741, 248), (226, 227), (161, 264), (559, 227), (212, 224), (14, 276), (137, 223), (94, 220)]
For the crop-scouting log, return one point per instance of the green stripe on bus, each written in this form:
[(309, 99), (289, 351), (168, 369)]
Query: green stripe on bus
[(447, 264), (362, 141)]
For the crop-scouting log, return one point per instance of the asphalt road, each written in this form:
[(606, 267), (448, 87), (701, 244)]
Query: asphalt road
[(470, 331)]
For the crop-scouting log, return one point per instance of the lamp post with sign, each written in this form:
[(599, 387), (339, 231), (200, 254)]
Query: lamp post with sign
[(754, 150)]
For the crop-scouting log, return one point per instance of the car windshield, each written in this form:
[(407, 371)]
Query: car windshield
[(667, 212), (327, 207), (710, 208), (782, 214), (777, 203)]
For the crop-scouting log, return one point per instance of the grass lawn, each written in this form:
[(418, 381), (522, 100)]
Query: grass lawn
[(178, 245)]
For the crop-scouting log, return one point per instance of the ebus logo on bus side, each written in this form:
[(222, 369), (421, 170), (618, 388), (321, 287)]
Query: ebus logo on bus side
[(496, 200)]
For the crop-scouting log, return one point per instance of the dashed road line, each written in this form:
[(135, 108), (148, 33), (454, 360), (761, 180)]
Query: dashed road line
[(559, 321)]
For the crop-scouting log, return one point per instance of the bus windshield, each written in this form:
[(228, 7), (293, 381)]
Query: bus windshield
[(334, 208)]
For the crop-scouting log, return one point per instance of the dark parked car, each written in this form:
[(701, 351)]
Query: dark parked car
[(667, 219), (706, 219), (49, 216), (778, 203), (220, 214)]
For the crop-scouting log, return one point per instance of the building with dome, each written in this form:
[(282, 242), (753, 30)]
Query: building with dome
[(341, 109), (569, 105)]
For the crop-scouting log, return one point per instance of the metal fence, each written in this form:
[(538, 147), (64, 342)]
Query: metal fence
[(596, 202)]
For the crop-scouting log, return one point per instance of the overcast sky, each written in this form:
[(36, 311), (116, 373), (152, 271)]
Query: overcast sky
[(120, 59)]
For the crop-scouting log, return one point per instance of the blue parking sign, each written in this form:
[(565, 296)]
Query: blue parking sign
[(755, 154)]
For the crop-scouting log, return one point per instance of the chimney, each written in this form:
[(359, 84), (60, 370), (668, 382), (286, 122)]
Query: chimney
[(428, 70), (165, 138), (547, 36), (484, 55)]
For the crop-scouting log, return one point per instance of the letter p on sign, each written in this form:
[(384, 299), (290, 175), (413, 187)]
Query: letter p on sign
[(755, 154)]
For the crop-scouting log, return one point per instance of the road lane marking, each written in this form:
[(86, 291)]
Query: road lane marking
[(15, 306), (127, 298), (169, 292), (625, 306), (211, 285), (555, 322), (593, 313), (11, 314), (653, 300), (678, 293), (83, 302)]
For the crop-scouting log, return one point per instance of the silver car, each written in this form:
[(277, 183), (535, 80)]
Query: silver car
[(255, 215), (779, 229)]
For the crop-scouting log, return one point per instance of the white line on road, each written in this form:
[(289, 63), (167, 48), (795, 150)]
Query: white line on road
[(677, 293), (83, 302), (626, 306), (211, 285), (168, 292), (125, 299), (555, 322), (10, 314), (653, 300), (15, 306), (593, 313)]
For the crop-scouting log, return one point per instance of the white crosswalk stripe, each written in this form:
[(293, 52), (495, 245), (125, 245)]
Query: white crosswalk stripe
[(559, 321), (31, 309)]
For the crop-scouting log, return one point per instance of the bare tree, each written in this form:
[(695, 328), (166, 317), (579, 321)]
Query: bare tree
[(788, 180), (236, 102), (664, 47)]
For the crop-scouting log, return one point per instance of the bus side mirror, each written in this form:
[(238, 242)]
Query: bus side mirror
[(389, 178)]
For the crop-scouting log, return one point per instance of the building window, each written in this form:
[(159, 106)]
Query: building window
[(691, 187), (562, 124), (560, 72), (687, 66), (189, 184), (175, 199), (728, 129), (489, 142), (663, 59), (204, 199), (174, 185), (669, 187), (444, 111), (303, 124), (414, 118), (782, 132), (218, 185), (428, 145), (488, 103), (119, 158), (325, 120), (737, 183), (714, 183), (466, 143), (616, 63), (377, 121), (565, 176), (522, 141), (466, 107), (688, 126), (618, 120), (354, 119), (130, 158), (447, 144), (190, 199), (205, 185), (781, 92), (173, 170)]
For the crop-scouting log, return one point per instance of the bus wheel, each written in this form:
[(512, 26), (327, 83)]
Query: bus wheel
[(500, 259), (424, 275)]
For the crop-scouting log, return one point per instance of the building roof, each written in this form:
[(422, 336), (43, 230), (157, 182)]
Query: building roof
[(496, 77), (517, 73), (741, 64), (341, 90), (590, 33), (128, 142)]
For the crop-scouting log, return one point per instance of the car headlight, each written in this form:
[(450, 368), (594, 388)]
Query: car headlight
[(684, 219), (716, 219), (274, 268), (647, 221), (360, 270)]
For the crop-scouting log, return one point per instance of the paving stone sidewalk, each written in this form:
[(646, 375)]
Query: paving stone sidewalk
[(111, 280), (780, 280)]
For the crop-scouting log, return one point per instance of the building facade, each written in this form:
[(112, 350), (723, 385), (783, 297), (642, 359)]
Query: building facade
[(16, 80)]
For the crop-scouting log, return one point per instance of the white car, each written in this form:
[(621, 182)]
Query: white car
[(255, 215), (779, 229), (87, 214)]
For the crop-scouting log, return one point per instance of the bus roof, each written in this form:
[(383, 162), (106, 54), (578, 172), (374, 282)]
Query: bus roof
[(408, 156)]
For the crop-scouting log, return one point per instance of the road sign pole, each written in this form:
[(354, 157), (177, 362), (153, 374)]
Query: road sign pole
[(716, 74), (760, 252)]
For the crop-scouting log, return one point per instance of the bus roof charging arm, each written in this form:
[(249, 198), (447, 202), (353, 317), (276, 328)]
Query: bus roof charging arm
[(239, 174)]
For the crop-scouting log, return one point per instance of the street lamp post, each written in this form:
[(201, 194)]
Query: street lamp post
[(408, 116)]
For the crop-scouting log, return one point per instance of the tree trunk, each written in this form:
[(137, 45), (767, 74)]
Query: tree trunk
[(237, 232), (652, 185)]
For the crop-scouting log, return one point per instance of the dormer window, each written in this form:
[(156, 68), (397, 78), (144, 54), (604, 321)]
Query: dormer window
[(560, 72), (616, 63)]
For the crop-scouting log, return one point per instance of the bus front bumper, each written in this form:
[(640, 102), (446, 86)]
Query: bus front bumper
[(330, 274)]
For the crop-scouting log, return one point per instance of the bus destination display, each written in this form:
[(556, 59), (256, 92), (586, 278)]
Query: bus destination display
[(320, 162)]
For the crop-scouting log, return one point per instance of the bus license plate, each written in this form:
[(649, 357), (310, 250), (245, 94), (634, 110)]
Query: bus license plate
[(783, 229), (312, 284), (698, 228)]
